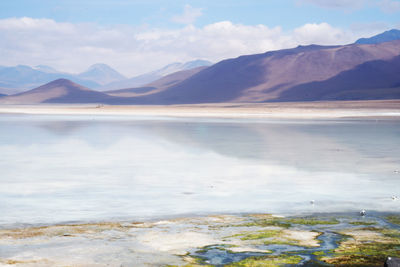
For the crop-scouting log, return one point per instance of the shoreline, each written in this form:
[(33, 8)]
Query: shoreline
[(387, 109), (156, 219), (229, 240)]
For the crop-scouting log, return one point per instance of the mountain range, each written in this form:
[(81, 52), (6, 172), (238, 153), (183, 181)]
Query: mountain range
[(155, 75), (58, 91), (305, 73), (21, 78), (98, 76)]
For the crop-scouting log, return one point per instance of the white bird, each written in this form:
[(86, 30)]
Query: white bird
[(394, 198), (312, 202), (363, 212)]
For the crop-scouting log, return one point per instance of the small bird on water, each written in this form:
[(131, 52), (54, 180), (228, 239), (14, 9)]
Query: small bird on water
[(363, 213), (312, 202), (394, 198)]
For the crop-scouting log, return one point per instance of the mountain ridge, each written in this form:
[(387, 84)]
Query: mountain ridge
[(57, 91), (387, 36), (22, 77), (146, 78), (263, 77)]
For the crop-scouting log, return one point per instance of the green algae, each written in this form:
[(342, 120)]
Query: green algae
[(260, 234), (267, 261), (287, 222), (367, 251), (319, 253), (365, 254), (312, 221), (282, 242), (266, 223), (362, 223), (395, 219)]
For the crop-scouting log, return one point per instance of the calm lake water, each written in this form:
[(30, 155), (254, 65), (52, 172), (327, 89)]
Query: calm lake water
[(87, 168)]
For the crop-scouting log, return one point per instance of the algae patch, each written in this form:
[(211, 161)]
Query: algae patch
[(267, 261), (394, 219), (365, 247)]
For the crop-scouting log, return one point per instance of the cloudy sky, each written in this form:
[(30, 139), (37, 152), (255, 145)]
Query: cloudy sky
[(136, 36)]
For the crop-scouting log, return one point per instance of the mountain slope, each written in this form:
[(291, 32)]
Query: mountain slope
[(386, 36), (264, 77), (158, 85), (377, 79), (58, 91), (144, 79), (101, 74)]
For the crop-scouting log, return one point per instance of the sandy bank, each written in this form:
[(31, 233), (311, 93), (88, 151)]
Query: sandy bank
[(304, 110)]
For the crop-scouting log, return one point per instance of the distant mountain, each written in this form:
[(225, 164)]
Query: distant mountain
[(1, 95), (142, 80), (58, 91), (386, 36), (101, 74), (22, 78), (158, 85), (46, 69)]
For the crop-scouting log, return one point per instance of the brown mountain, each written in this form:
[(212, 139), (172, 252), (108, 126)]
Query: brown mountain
[(158, 85), (58, 91), (274, 76), (378, 79)]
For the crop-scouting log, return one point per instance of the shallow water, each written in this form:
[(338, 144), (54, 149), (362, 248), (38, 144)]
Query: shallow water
[(86, 168)]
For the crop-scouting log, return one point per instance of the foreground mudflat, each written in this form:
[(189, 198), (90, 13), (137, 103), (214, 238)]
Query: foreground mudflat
[(226, 240)]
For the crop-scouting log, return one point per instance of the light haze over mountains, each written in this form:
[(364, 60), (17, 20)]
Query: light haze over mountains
[(98, 76)]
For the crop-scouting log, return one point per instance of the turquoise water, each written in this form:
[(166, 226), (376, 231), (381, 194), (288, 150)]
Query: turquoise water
[(87, 168)]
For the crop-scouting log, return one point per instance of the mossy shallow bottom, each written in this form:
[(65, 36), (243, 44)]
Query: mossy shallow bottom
[(267, 261), (368, 246), (224, 240)]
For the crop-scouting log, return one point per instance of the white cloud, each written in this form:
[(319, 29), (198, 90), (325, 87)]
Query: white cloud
[(189, 16), (135, 50), (336, 3), (323, 34), (390, 6), (387, 6)]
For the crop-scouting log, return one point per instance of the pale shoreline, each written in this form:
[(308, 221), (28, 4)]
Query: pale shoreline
[(260, 239), (389, 109)]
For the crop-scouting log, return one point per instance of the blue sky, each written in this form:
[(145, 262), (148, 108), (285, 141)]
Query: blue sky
[(285, 13), (126, 33)]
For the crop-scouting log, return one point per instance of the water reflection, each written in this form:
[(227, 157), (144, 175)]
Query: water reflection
[(56, 168)]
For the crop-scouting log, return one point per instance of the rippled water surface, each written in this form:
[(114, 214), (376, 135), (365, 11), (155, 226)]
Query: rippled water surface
[(84, 168)]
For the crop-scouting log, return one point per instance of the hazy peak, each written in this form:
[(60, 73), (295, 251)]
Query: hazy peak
[(102, 74), (45, 68), (100, 66), (61, 82), (386, 36)]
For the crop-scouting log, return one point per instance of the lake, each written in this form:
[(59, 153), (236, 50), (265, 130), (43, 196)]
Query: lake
[(81, 168)]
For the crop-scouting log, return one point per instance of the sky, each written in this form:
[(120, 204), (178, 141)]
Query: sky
[(137, 36)]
